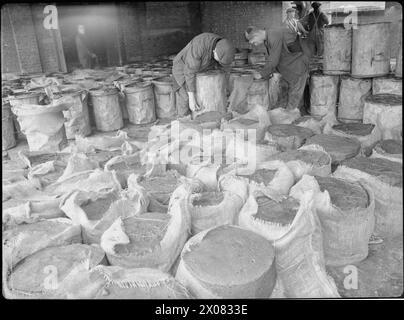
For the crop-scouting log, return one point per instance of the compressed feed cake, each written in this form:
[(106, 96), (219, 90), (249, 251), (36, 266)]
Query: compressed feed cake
[(384, 177), (227, 262), (26, 239), (29, 278), (339, 148), (347, 219), (389, 149), (210, 209), (281, 213), (288, 136)]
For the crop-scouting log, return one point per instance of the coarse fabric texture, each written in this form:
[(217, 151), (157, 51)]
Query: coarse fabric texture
[(313, 123), (50, 266), (203, 169), (91, 180), (150, 240), (43, 124), (298, 245), (113, 282), (98, 142), (96, 212), (106, 109), (78, 162), (227, 262), (352, 95), (125, 165), (339, 148), (7, 127), (77, 116), (26, 239), (389, 149), (346, 212), (385, 111), (390, 85), (311, 160), (283, 116), (287, 136), (385, 179), (323, 94), (157, 188), (210, 209), (273, 178), (367, 134)]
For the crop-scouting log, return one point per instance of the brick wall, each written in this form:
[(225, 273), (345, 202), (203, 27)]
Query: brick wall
[(230, 18), (158, 28), (22, 32), (9, 55)]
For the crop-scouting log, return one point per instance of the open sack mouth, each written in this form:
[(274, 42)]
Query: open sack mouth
[(277, 214)]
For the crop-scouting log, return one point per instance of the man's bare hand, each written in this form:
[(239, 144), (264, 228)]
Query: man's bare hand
[(193, 105)]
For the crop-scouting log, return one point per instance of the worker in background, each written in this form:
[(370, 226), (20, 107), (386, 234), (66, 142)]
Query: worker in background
[(86, 56), (293, 24), (287, 56), (205, 51), (315, 22), (301, 8)]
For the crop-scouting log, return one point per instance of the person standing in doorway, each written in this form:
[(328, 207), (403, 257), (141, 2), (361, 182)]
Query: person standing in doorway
[(85, 55), (205, 51), (316, 20)]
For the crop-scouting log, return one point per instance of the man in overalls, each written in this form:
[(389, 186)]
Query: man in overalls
[(315, 21), (293, 24), (205, 51), (288, 54)]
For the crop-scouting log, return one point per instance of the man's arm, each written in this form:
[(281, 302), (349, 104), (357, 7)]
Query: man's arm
[(324, 19), (192, 66), (273, 59)]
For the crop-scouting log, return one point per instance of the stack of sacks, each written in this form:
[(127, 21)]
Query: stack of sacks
[(339, 148), (287, 136), (50, 267), (292, 227), (367, 134), (227, 262), (150, 240), (389, 149), (346, 213), (210, 209), (385, 178), (311, 160), (113, 282)]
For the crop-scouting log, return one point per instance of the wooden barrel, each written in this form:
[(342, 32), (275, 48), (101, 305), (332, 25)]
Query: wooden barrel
[(165, 98), (337, 49), (7, 126), (323, 94), (23, 98), (211, 92), (140, 102), (399, 62), (384, 111), (352, 98), (258, 94), (387, 84), (371, 50), (106, 110), (77, 116)]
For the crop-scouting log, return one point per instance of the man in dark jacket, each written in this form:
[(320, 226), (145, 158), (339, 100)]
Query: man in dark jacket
[(205, 51), (288, 54), (83, 52), (314, 22)]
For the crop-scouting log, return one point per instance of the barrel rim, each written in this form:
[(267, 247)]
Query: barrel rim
[(103, 91)]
